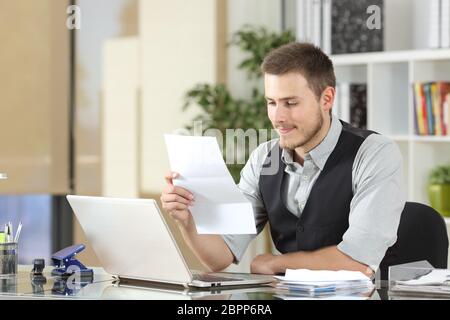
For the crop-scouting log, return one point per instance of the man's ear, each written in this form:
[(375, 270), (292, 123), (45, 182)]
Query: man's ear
[(327, 98)]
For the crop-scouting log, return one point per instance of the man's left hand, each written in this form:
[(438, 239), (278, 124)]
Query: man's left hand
[(264, 264)]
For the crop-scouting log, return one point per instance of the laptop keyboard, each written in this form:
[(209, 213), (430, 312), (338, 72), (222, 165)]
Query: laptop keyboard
[(211, 278)]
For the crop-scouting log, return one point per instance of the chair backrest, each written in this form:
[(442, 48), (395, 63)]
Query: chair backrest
[(422, 235)]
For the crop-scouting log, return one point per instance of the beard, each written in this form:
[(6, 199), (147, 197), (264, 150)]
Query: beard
[(304, 134)]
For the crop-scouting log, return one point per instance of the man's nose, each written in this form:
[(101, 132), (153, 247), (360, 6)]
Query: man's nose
[(281, 114)]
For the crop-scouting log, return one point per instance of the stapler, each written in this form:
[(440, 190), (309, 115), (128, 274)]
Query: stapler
[(67, 265)]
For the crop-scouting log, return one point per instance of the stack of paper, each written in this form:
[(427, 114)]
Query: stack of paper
[(311, 283), (435, 277), (434, 283)]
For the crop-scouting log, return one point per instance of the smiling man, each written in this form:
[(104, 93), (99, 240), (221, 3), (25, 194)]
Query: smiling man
[(335, 197)]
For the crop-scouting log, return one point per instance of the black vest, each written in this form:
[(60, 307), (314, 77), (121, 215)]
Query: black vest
[(324, 219)]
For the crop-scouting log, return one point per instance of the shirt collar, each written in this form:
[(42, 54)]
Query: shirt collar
[(322, 151)]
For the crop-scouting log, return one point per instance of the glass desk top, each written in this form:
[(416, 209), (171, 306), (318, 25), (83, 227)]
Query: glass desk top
[(105, 286)]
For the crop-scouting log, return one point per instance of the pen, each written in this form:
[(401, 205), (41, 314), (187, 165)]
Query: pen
[(19, 229), (11, 232), (6, 233)]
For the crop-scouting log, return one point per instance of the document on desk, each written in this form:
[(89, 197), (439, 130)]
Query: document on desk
[(220, 207), (319, 283), (435, 277), (434, 284), (320, 276)]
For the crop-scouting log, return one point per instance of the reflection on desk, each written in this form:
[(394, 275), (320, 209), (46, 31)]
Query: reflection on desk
[(104, 286), (26, 286)]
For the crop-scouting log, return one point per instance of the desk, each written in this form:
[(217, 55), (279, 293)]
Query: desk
[(104, 286)]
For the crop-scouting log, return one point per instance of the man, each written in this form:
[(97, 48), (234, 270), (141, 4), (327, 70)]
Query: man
[(336, 199)]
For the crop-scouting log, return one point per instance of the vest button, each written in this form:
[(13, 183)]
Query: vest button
[(301, 228)]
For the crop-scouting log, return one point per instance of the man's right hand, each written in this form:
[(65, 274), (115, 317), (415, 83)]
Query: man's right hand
[(211, 249), (176, 200)]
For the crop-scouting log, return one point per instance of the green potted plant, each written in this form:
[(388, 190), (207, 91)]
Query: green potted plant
[(439, 189), (222, 111)]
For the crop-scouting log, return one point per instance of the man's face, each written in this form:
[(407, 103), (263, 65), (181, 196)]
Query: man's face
[(293, 109)]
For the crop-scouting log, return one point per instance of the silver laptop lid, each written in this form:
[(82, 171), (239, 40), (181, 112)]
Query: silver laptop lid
[(131, 238)]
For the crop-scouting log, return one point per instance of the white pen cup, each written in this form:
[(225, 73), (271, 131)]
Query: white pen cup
[(9, 258)]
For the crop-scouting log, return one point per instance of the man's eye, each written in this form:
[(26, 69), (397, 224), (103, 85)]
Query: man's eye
[(270, 103), (292, 103)]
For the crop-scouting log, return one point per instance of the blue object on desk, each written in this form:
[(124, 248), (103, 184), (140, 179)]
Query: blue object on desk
[(67, 265), (61, 287)]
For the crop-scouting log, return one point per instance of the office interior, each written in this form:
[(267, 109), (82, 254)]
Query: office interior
[(84, 103)]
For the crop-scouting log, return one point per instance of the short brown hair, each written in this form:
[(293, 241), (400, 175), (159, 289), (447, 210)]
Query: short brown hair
[(306, 59)]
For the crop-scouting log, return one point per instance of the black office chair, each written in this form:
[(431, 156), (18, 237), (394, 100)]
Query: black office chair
[(422, 235)]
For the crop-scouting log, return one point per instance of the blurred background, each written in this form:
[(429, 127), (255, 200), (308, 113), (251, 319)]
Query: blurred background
[(89, 87)]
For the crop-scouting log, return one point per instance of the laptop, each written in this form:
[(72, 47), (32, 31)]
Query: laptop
[(133, 242)]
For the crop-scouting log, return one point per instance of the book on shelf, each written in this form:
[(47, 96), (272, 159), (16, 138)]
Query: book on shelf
[(350, 103), (309, 21), (349, 30), (447, 113), (339, 26), (433, 31), (426, 14), (431, 108), (358, 105), (445, 23)]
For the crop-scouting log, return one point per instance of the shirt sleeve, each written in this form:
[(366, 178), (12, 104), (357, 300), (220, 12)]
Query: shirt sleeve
[(249, 186), (378, 201)]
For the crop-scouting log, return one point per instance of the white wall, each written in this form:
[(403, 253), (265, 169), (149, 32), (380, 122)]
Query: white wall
[(119, 118), (100, 20), (265, 13), (178, 49)]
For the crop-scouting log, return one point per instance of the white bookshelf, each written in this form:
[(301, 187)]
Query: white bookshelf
[(389, 76), (391, 56)]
